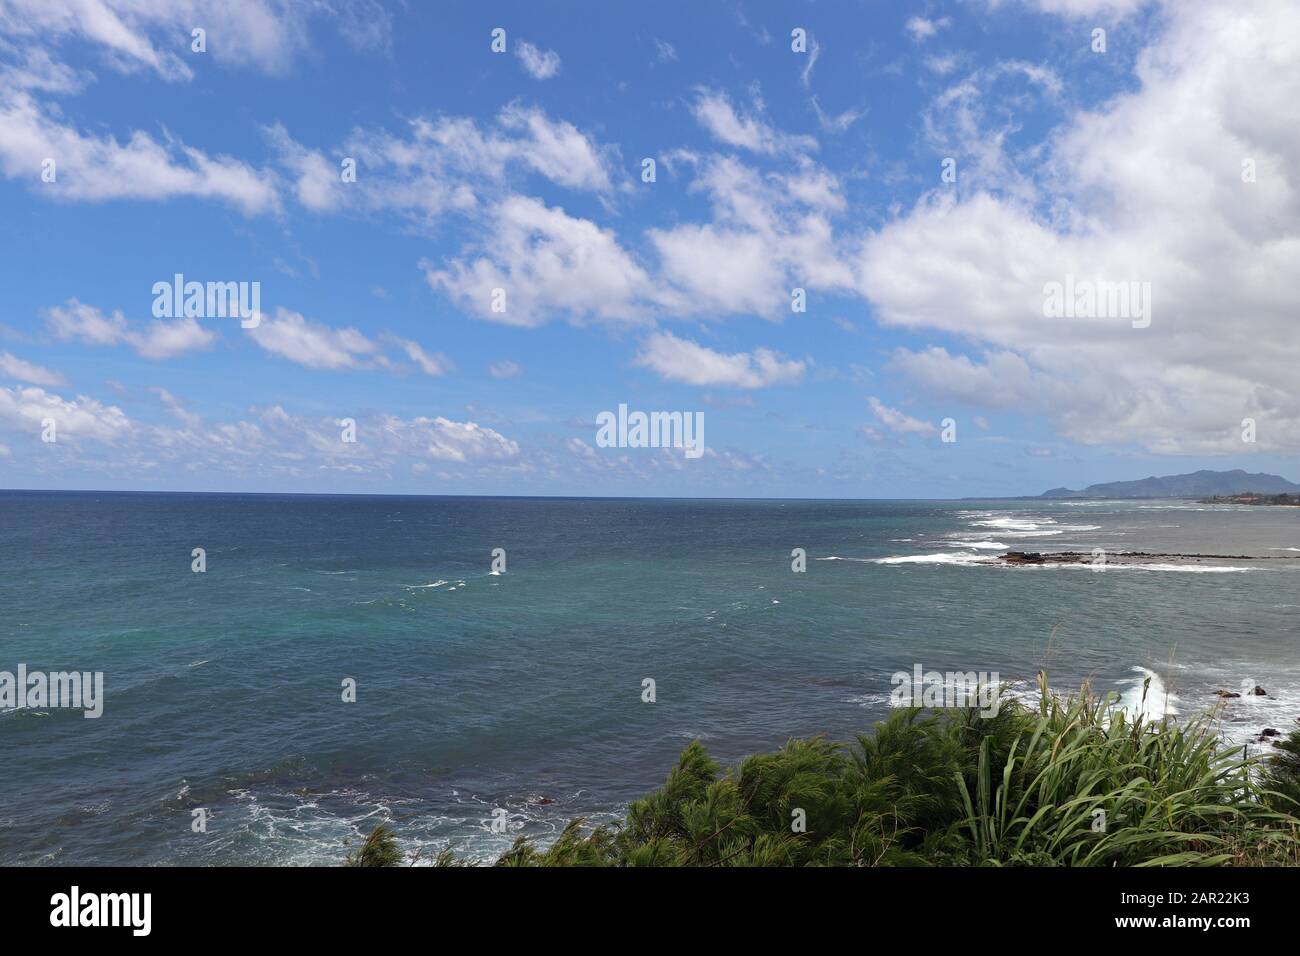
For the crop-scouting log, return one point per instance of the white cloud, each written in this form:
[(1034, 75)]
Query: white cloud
[(274, 441), (943, 65), (445, 440), (442, 166), (540, 64), (99, 168), (86, 323), (581, 450), (1146, 187), (163, 340), (35, 69), (504, 369), (556, 149), (292, 336), (174, 405), (102, 22), (715, 113), (547, 263), (1085, 8), (433, 365), (897, 421), (769, 235), (922, 29), (285, 333), (26, 409), (1003, 380), (317, 181), (978, 120), (814, 53), (77, 321), (837, 123), (155, 35), (682, 360), (665, 52), (13, 367)]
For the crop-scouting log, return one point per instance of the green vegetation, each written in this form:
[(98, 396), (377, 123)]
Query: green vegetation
[(1250, 498), (379, 849), (1076, 782)]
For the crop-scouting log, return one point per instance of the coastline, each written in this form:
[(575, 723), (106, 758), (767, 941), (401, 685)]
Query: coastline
[(1124, 558)]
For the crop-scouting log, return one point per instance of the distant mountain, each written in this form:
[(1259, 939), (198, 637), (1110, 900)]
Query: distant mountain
[(1198, 484)]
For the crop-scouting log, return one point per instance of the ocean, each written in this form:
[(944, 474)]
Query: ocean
[(523, 691)]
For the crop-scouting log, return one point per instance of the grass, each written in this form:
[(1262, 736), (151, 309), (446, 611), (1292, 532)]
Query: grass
[(379, 849), (1074, 782)]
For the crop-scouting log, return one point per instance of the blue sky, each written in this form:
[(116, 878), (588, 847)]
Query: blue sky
[(775, 169)]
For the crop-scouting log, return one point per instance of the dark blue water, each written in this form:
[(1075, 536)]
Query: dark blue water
[(523, 690)]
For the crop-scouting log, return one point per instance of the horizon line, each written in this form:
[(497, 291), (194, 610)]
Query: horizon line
[(393, 494)]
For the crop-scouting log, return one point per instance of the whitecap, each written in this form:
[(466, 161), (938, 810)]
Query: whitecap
[(1159, 701), (959, 559), (1013, 524)]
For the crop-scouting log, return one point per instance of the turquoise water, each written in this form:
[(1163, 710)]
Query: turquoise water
[(523, 690)]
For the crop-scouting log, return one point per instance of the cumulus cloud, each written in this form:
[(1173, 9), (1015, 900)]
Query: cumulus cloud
[(97, 168), (556, 149), (155, 35), (86, 323), (682, 360), (164, 340), (13, 367), (34, 69), (445, 440), (540, 64), (443, 166), (580, 449), (1113, 205), (1080, 8), (1003, 380), (286, 333), (269, 441), (920, 28), (897, 421), (545, 263), (27, 410), (768, 235), (147, 36), (77, 321), (291, 335)]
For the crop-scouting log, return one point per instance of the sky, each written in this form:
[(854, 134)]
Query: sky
[(827, 230)]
